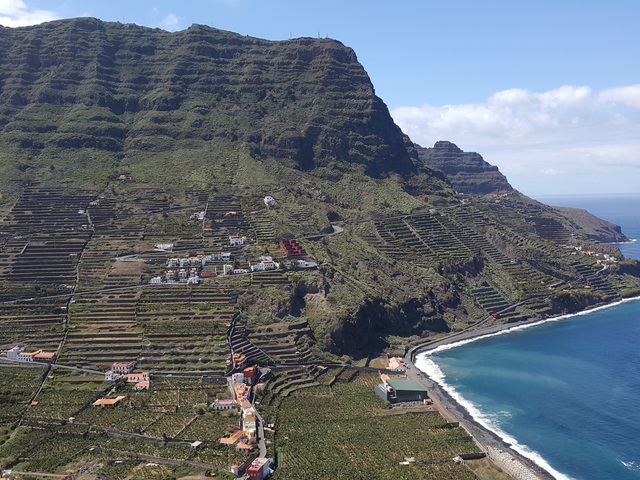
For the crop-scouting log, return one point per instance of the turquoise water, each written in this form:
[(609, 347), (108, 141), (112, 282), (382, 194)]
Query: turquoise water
[(565, 393)]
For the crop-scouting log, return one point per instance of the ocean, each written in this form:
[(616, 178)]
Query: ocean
[(565, 393)]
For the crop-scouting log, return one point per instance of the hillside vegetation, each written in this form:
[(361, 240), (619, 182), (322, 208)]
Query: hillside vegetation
[(135, 171), (150, 125)]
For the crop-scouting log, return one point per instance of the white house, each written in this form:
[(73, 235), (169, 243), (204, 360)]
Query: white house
[(123, 367), (13, 353), (223, 404), (237, 240), (269, 201), (217, 257), (397, 364), (304, 264), (266, 263)]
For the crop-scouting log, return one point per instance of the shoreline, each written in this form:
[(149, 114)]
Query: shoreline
[(498, 450)]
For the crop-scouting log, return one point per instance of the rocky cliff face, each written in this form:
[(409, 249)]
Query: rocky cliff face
[(467, 171), (593, 227), (120, 90)]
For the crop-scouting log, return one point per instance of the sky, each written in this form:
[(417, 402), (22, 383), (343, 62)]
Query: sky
[(547, 90)]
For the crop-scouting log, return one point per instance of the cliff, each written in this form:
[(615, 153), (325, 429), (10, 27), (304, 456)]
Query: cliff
[(468, 172), (85, 94)]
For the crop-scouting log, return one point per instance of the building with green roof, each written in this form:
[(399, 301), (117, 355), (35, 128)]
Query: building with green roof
[(395, 390)]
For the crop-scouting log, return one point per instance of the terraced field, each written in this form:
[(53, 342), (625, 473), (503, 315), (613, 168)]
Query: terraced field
[(346, 431), (102, 330), (185, 328)]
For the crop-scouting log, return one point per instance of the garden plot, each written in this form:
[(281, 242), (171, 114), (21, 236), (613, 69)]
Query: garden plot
[(224, 217), (102, 330), (17, 387), (39, 323), (46, 260), (347, 432), (101, 265), (284, 343), (185, 328), (48, 211), (60, 400)]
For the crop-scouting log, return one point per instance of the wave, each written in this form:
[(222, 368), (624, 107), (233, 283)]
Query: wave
[(631, 240), (491, 422), (635, 466)]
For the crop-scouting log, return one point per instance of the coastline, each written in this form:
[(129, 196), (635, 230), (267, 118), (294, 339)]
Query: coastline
[(500, 450)]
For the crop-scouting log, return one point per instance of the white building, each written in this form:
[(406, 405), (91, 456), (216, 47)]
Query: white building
[(266, 263), (123, 368), (304, 264), (223, 404), (269, 201), (217, 257), (13, 353), (237, 240)]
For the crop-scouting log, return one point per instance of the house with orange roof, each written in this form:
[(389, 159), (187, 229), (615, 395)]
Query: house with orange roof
[(233, 439), (108, 402), (140, 381), (223, 404), (244, 447), (18, 354), (239, 360), (397, 364), (144, 385), (42, 356)]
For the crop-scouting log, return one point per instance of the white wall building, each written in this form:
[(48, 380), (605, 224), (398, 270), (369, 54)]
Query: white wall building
[(237, 240)]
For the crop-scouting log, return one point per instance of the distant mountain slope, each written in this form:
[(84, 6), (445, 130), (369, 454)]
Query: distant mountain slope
[(468, 172), (82, 101), (593, 227)]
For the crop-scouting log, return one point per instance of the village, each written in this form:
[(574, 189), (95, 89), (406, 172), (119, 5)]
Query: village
[(243, 385), (157, 338)]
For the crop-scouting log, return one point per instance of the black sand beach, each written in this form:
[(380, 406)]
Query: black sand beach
[(499, 451)]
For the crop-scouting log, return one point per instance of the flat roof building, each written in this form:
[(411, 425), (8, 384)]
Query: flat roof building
[(398, 390)]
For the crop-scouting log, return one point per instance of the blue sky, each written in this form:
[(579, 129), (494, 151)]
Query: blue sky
[(547, 90)]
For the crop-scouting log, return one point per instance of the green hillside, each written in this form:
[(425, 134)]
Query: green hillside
[(136, 167)]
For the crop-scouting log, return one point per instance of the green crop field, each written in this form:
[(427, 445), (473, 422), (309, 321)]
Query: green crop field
[(346, 432)]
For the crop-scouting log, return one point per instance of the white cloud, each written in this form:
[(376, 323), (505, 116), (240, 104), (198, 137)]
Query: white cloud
[(171, 22), (584, 140), (628, 96), (15, 13)]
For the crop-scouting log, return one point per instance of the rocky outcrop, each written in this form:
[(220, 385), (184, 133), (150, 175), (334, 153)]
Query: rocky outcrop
[(468, 172), (593, 227)]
